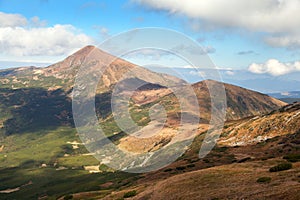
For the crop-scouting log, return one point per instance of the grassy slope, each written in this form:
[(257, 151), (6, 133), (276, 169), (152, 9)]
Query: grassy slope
[(235, 181), (22, 156)]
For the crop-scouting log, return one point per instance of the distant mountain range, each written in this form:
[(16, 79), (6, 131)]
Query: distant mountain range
[(291, 94), (264, 83), (288, 97)]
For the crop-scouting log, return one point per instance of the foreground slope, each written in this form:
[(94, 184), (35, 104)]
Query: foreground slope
[(233, 172), (235, 181), (226, 173)]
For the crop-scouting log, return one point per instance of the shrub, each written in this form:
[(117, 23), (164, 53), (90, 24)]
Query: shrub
[(190, 166), (281, 167), (194, 160), (68, 197), (180, 168), (220, 149), (244, 160), (103, 168), (130, 194), (292, 157), (226, 126), (264, 180)]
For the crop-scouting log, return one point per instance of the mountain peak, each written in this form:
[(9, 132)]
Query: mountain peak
[(90, 52), (76, 59), (85, 50)]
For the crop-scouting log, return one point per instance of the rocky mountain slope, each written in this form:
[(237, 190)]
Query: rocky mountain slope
[(232, 171), (241, 102), (227, 172), (260, 128)]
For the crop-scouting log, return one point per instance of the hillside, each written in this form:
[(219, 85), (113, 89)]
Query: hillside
[(260, 128), (234, 181), (227, 172), (39, 142), (241, 102), (47, 91)]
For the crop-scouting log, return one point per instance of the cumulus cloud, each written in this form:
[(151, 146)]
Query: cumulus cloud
[(254, 15), (274, 67), (12, 20), (198, 73), (45, 41), (269, 16), (22, 37), (230, 73)]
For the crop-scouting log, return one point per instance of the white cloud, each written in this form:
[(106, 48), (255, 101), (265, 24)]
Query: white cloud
[(22, 37), (12, 20), (268, 16), (45, 41), (198, 73), (36, 22), (274, 67), (254, 15), (230, 73)]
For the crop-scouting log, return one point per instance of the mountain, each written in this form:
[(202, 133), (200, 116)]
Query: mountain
[(32, 97), (241, 102), (288, 97), (291, 94), (63, 74), (51, 89), (41, 154)]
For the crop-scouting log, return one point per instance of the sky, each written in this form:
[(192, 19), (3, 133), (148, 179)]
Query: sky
[(255, 38)]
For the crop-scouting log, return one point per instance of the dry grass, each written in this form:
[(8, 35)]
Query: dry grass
[(235, 181)]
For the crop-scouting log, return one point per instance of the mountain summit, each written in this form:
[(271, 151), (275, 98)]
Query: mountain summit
[(113, 68)]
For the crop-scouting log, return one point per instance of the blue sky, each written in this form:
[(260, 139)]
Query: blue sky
[(261, 37)]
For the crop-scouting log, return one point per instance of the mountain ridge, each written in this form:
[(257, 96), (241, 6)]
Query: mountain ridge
[(60, 76)]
